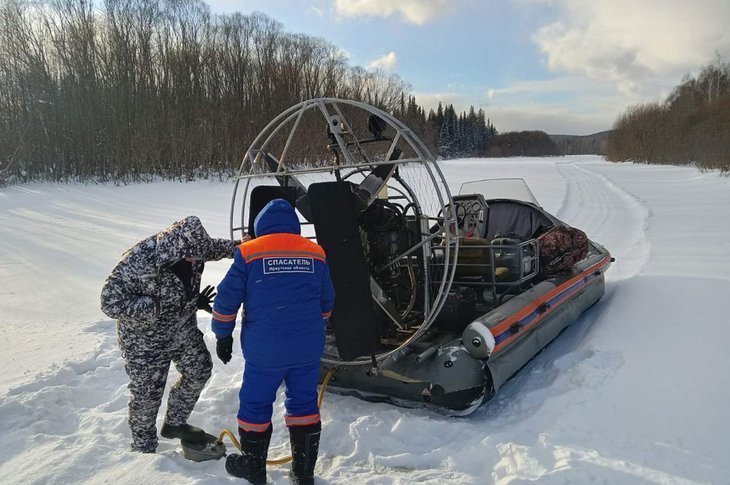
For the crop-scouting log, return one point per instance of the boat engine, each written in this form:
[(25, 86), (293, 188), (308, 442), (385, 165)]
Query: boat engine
[(386, 236)]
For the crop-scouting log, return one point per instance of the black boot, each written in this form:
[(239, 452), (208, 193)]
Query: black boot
[(251, 463), (304, 449), (183, 432)]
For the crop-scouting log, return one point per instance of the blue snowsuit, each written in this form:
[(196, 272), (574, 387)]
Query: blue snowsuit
[(283, 281)]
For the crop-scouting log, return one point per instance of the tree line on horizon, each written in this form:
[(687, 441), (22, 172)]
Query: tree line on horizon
[(128, 89), (131, 89), (691, 126), (448, 134), (470, 133)]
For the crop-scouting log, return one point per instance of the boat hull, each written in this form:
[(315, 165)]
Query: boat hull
[(451, 378)]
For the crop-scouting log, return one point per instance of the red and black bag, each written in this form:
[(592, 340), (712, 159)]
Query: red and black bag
[(560, 248)]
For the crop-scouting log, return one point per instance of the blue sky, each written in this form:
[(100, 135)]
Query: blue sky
[(561, 66)]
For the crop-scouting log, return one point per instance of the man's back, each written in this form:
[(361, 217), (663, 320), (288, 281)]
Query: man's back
[(283, 281)]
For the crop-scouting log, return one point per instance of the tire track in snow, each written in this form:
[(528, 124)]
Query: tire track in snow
[(609, 215), (571, 370), (566, 211)]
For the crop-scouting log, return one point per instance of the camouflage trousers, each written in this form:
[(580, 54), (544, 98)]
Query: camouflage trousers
[(147, 365)]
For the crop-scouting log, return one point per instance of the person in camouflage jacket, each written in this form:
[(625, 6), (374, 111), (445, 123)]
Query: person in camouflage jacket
[(153, 293)]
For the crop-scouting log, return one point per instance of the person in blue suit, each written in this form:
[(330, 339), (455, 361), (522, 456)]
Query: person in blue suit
[(283, 282)]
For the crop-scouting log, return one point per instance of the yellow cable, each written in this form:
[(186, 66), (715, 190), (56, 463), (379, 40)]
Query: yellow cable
[(326, 381), (227, 432), (279, 461), (284, 459)]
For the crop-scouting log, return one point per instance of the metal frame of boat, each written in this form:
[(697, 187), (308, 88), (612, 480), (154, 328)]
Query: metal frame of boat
[(438, 251)]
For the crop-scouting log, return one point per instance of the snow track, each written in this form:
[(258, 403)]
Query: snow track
[(608, 214)]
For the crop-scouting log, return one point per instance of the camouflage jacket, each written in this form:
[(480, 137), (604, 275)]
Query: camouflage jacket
[(142, 293)]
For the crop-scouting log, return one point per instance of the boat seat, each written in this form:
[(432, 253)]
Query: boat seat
[(473, 261), (515, 218)]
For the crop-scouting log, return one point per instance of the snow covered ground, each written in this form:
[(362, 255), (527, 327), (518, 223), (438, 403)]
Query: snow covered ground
[(636, 391)]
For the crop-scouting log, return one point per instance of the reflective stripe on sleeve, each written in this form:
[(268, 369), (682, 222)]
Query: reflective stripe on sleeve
[(224, 318)]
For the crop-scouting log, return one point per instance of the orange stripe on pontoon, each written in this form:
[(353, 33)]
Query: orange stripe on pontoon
[(302, 420), (533, 322), (528, 310), (257, 428)]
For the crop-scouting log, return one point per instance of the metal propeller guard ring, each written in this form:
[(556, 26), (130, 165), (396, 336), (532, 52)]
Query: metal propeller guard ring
[(282, 135)]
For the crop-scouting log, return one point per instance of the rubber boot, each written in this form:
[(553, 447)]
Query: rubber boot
[(184, 432), (304, 449), (251, 463)]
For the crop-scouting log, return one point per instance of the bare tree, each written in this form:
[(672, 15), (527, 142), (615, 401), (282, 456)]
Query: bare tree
[(691, 126), (132, 89)]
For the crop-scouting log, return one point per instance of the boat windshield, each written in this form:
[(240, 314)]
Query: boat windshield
[(507, 188)]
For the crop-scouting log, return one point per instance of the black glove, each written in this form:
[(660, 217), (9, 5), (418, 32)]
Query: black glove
[(205, 298), (224, 349)]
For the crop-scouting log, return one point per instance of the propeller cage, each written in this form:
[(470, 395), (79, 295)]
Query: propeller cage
[(349, 167)]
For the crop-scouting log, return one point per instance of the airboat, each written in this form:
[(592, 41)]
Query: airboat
[(440, 297)]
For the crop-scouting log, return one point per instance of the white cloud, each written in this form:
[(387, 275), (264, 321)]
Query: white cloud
[(344, 53), (563, 105), (607, 55), (578, 91), (541, 86), (640, 47), (554, 119), (570, 105), (386, 62), (418, 12)]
